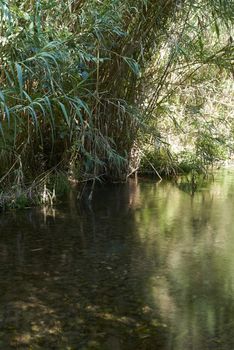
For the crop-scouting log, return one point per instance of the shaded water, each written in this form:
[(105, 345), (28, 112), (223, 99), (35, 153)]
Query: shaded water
[(147, 267)]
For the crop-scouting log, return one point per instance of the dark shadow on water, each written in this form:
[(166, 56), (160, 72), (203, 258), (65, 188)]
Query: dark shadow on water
[(71, 278)]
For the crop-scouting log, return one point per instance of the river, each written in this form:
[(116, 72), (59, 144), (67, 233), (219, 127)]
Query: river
[(146, 267)]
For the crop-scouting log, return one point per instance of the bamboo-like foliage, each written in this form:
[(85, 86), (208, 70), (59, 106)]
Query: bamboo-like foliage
[(79, 79)]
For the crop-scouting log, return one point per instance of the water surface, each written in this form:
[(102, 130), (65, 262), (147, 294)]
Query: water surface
[(147, 267)]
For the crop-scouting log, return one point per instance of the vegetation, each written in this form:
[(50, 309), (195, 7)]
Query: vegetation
[(89, 88)]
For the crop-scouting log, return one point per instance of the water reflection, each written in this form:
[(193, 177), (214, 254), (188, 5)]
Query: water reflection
[(147, 267)]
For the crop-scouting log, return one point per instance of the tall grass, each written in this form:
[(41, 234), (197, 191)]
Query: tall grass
[(81, 80)]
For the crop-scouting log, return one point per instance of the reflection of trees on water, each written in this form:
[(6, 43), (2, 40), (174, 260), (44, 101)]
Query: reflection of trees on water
[(146, 267), (194, 289)]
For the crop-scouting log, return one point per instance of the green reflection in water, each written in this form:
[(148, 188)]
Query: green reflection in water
[(193, 237), (147, 267)]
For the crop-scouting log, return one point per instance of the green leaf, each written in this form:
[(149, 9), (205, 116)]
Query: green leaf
[(20, 77), (133, 65), (63, 108), (2, 96)]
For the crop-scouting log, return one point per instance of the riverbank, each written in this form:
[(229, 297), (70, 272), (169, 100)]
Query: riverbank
[(53, 190)]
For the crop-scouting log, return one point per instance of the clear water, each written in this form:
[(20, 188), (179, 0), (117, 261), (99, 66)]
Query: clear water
[(147, 267)]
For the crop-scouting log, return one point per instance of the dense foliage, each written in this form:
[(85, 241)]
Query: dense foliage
[(90, 87)]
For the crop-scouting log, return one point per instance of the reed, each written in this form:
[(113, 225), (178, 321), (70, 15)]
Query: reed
[(82, 82)]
